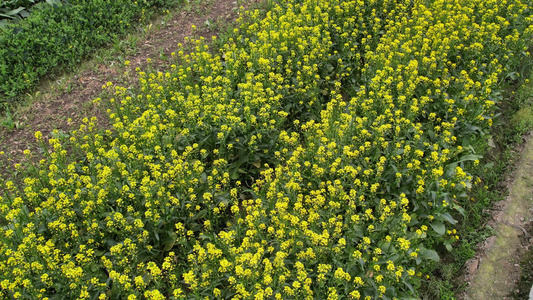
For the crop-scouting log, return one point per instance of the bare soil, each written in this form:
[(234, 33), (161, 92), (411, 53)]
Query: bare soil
[(495, 272)]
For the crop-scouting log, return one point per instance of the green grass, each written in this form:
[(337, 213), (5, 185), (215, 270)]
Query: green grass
[(56, 38), (526, 278)]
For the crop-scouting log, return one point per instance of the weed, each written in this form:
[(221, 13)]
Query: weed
[(9, 120)]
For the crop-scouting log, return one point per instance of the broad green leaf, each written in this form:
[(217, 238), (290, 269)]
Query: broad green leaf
[(54, 2), (438, 227), (430, 254), (7, 16), (15, 11), (448, 218), (170, 241), (470, 157), (459, 209)]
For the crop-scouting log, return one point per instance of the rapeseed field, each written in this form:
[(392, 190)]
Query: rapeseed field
[(322, 153)]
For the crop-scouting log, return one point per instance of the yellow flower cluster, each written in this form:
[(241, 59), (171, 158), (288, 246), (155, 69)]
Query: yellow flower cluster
[(348, 210), (309, 159)]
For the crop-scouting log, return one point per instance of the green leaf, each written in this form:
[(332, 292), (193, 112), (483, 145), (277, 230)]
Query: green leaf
[(170, 241), (6, 16), (199, 215), (491, 143), (15, 11), (206, 237), (489, 165), (470, 157), (446, 216), (410, 287), (459, 209), (430, 254), (147, 278), (438, 227), (54, 2)]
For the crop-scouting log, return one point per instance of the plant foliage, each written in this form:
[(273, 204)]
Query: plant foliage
[(60, 35)]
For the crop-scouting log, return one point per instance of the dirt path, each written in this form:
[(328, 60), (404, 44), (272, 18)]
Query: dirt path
[(494, 273), (63, 109)]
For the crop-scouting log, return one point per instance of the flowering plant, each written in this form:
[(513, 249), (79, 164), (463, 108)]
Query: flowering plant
[(313, 157)]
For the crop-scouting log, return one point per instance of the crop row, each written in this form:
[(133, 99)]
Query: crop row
[(61, 35), (323, 153)]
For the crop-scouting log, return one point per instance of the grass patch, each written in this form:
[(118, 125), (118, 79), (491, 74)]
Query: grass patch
[(524, 285), (56, 37)]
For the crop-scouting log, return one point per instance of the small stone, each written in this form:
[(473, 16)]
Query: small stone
[(472, 265), (489, 242)]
